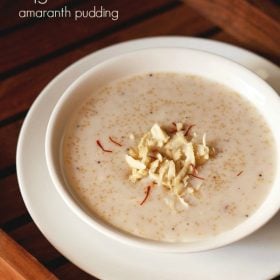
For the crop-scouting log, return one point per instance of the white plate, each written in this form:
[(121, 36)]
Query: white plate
[(255, 257)]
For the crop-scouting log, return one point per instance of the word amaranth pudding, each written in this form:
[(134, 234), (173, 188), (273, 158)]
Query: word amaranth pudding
[(169, 156)]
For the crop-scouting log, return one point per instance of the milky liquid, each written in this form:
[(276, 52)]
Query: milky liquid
[(233, 126)]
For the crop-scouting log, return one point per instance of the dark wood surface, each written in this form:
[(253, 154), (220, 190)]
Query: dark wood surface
[(33, 51), (14, 260)]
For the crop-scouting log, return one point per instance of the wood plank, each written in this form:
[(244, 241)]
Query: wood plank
[(8, 272), (12, 8), (8, 141), (269, 6), (33, 241), (48, 36), (227, 38), (18, 92), (71, 272), (11, 205), (16, 263), (245, 22)]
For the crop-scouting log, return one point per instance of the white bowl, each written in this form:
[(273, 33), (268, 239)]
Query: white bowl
[(188, 61)]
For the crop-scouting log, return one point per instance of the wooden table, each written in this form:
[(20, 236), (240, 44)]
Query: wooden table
[(34, 50)]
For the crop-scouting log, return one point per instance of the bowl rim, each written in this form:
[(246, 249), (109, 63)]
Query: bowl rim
[(113, 232)]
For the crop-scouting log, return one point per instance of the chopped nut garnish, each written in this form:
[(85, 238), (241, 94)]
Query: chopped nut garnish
[(170, 160), (133, 163)]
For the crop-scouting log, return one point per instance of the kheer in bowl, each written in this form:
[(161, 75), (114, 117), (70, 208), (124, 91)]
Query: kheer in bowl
[(168, 149)]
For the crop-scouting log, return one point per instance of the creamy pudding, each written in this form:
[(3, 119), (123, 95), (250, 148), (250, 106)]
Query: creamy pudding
[(112, 120)]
